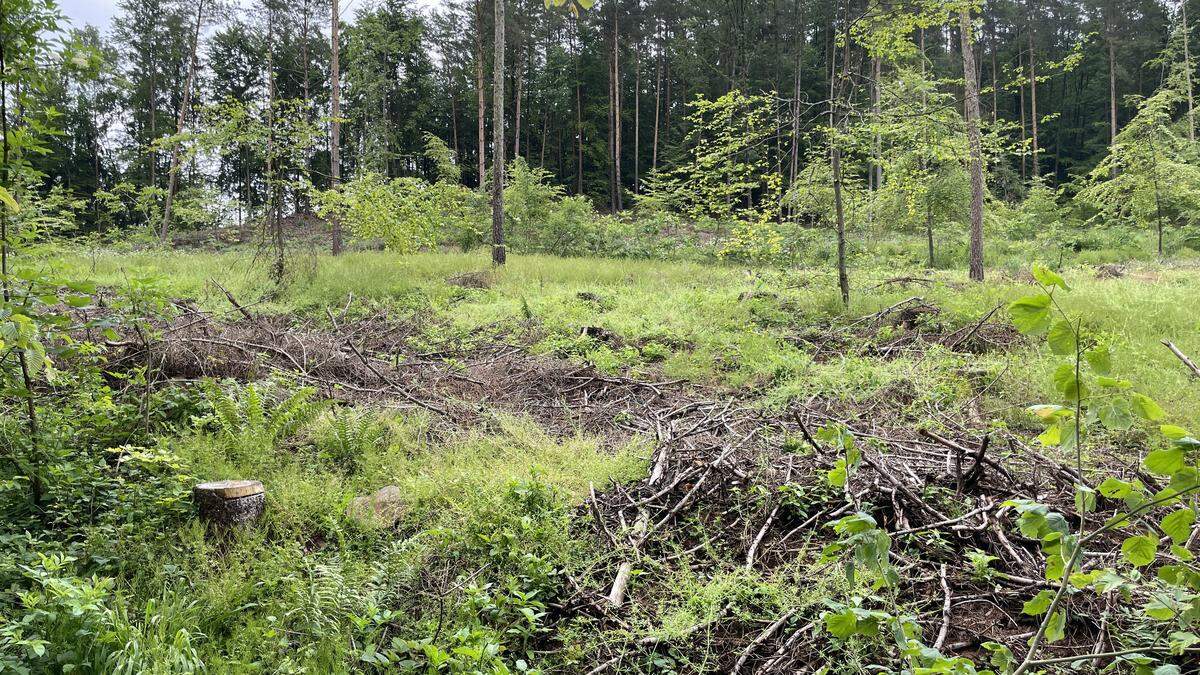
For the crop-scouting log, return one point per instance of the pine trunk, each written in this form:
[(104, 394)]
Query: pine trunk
[(480, 96), (975, 146), (498, 253)]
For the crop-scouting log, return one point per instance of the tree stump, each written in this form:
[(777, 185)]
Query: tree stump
[(228, 503)]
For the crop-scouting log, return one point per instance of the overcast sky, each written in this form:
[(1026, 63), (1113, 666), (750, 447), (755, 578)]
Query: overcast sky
[(96, 12), (99, 13)]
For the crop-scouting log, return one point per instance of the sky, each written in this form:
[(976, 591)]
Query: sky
[(96, 12), (100, 13)]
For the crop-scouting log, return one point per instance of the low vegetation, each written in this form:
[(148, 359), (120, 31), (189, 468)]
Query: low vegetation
[(884, 374)]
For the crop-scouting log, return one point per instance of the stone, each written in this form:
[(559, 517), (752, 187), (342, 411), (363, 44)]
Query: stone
[(385, 507), (229, 503)]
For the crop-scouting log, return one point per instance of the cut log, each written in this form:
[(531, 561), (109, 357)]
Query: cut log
[(229, 503)]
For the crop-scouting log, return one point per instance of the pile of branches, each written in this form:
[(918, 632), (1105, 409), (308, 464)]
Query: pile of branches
[(716, 499), (716, 494)]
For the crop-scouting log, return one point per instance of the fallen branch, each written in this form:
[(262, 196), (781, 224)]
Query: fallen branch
[(1191, 365)]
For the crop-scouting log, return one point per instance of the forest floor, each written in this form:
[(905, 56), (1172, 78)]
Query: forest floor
[(625, 465)]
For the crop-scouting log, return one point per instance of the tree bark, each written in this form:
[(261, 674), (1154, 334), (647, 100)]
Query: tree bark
[(173, 175), (616, 101), (519, 76), (1187, 72), (1024, 126), (498, 253), (794, 164), (274, 209), (1033, 114), (637, 104), (1112, 84), (335, 126), (479, 94), (975, 145), (835, 161), (658, 68)]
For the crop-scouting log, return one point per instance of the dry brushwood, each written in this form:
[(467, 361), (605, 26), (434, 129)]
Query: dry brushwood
[(715, 497)]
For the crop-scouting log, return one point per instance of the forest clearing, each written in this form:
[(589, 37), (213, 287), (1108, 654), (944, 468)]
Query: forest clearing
[(624, 337)]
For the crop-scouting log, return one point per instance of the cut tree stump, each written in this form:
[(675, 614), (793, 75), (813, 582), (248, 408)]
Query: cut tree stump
[(228, 503)]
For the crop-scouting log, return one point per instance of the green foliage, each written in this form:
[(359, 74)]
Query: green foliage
[(445, 164), (407, 214), (1152, 170), (253, 421), (726, 176), (1093, 398)]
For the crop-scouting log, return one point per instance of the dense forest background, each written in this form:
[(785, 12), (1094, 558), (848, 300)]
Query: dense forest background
[(599, 101)]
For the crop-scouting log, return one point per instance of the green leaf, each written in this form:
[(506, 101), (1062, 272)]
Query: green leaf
[(1061, 338), (1114, 413), (1115, 488), (1057, 627), (1031, 314), (1178, 524), (1048, 277), (1002, 656), (8, 200), (1066, 383), (842, 624), (1048, 412), (1140, 550), (1038, 604), (1146, 408), (1100, 359), (1181, 640), (1165, 462), (1173, 432), (1159, 610), (1085, 499)]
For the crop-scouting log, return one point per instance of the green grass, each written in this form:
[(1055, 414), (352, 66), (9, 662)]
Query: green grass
[(717, 324), (488, 509)]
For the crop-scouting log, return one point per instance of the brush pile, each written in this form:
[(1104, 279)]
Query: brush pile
[(731, 485)]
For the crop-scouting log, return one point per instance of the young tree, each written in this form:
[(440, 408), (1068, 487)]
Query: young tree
[(1152, 171)]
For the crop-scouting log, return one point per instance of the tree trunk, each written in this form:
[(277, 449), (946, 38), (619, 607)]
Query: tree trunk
[(924, 162), (637, 104), (274, 209), (498, 252), (616, 88), (1033, 114), (1112, 85), (876, 141), (172, 177), (335, 126), (578, 117), (835, 162), (1187, 73), (794, 165), (479, 93), (658, 68), (992, 48), (1021, 104), (975, 145), (519, 76)]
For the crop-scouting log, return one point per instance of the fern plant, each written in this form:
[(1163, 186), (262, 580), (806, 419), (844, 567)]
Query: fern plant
[(349, 436), (251, 421)]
